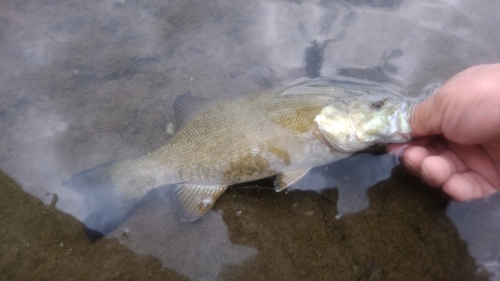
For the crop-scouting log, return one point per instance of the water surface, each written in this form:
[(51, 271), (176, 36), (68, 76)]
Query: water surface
[(86, 82)]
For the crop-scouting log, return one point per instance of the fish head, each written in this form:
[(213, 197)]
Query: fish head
[(372, 118)]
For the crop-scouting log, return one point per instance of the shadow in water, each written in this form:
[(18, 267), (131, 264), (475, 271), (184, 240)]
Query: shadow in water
[(380, 73), (477, 223)]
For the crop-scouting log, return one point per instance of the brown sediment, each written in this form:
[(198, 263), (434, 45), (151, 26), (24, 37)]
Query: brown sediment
[(38, 242), (403, 235)]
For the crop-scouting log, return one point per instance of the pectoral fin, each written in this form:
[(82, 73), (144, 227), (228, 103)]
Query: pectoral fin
[(193, 200), (286, 179)]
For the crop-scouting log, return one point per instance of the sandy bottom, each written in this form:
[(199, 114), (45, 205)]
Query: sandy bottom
[(403, 235)]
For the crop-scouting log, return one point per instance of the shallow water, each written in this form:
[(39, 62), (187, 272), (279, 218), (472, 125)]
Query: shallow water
[(87, 82)]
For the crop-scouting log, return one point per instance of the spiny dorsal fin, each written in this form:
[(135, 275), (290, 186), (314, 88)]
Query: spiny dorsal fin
[(187, 106), (194, 200), (286, 179)]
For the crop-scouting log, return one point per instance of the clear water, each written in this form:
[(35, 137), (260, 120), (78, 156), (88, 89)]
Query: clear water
[(86, 82)]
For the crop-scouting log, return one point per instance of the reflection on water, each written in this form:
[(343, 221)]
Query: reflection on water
[(86, 82), (477, 223), (198, 250), (352, 177)]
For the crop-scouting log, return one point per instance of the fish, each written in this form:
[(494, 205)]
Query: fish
[(282, 132)]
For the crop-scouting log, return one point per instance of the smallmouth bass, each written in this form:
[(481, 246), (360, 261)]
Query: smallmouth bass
[(282, 132)]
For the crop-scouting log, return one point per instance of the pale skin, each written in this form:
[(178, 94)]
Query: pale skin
[(457, 135)]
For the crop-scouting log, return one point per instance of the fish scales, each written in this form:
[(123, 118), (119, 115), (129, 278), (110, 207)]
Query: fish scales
[(280, 132), (215, 146)]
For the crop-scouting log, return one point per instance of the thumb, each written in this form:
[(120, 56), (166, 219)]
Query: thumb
[(427, 117)]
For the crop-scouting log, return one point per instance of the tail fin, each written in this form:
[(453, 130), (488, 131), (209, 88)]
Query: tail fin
[(106, 202)]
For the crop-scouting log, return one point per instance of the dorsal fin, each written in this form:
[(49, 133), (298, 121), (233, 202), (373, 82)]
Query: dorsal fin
[(187, 106)]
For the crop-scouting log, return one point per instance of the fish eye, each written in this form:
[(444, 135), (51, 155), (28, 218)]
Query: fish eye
[(377, 105)]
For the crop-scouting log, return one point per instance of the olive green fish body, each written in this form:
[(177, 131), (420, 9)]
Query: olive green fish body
[(282, 132), (244, 139)]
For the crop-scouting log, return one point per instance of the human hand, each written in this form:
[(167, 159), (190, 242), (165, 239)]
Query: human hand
[(457, 133)]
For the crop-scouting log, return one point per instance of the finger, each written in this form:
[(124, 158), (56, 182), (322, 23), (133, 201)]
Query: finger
[(457, 164), (413, 157), (427, 116), (467, 186), (461, 187), (397, 149), (479, 160), (435, 170)]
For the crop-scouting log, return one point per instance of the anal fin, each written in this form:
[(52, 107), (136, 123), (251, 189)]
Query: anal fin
[(194, 200), (286, 179)]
